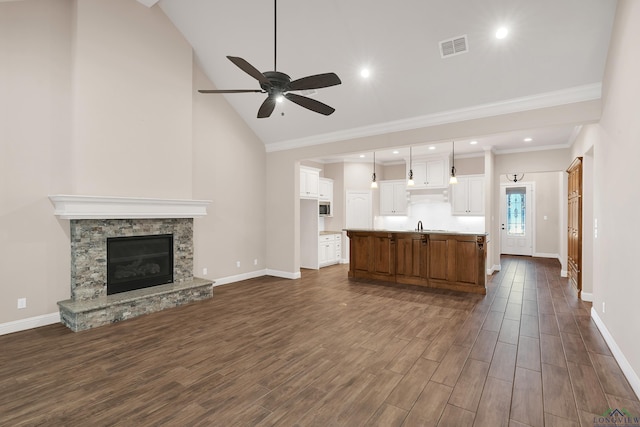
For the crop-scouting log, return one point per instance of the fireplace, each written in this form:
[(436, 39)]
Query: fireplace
[(139, 262), (129, 257)]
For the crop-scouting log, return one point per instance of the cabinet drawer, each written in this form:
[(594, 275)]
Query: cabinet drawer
[(326, 238)]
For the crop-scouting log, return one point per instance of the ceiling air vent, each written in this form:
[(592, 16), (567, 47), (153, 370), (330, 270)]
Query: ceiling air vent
[(454, 46)]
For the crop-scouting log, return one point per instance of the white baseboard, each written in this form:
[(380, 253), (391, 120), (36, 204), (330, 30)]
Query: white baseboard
[(496, 267), (29, 323), (564, 273), (545, 255), (239, 277), (627, 370), (283, 274), (586, 296)]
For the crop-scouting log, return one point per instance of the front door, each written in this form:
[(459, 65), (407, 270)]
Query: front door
[(516, 219)]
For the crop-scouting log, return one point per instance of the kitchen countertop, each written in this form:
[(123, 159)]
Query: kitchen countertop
[(323, 233), (425, 231)]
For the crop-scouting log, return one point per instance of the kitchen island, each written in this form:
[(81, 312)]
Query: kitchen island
[(431, 258)]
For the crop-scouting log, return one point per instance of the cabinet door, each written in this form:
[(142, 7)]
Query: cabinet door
[(400, 198), (309, 179), (387, 198), (303, 183), (419, 175), (475, 189), (460, 197), (327, 253), (411, 258), (313, 179), (325, 189), (435, 173), (467, 196)]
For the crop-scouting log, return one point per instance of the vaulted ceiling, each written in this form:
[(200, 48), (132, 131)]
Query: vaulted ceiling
[(555, 52)]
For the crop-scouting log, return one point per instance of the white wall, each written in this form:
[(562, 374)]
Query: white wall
[(229, 169), (615, 172), (99, 98), (132, 102), (35, 152)]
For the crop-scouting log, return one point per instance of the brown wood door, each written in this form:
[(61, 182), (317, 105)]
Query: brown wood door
[(574, 225)]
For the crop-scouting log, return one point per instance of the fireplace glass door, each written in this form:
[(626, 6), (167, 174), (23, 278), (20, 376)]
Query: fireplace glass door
[(139, 262)]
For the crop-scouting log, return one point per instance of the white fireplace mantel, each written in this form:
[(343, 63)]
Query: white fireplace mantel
[(98, 207)]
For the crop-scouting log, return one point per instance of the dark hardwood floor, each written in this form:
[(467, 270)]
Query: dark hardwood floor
[(323, 351)]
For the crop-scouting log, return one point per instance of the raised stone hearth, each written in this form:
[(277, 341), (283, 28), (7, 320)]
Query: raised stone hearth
[(93, 221)]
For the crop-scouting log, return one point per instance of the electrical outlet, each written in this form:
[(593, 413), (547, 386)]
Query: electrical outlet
[(238, 264), (603, 307), (22, 303), (255, 261), (205, 271)]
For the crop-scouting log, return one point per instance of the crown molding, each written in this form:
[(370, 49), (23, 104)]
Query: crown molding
[(572, 95), (530, 149)]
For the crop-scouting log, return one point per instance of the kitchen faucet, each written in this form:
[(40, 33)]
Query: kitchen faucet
[(419, 227)]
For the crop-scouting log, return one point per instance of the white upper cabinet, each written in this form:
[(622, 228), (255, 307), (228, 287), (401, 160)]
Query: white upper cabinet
[(309, 181), (467, 196), (429, 172), (325, 192), (393, 197)]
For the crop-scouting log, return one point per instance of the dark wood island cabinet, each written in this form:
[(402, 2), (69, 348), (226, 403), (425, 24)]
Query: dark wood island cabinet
[(448, 260)]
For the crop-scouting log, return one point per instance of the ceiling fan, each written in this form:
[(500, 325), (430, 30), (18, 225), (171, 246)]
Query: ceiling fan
[(278, 85)]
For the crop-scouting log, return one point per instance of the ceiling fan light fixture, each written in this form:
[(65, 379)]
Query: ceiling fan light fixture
[(278, 85)]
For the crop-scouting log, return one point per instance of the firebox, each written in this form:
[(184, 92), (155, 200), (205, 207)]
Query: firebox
[(139, 262)]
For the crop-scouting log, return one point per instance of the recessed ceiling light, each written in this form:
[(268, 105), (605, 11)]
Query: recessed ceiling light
[(473, 142), (432, 148), (365, 73), (396, 152), (528, 139), (362, 156), (502, 32)]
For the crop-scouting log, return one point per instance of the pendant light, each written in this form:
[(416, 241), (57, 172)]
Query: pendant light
[(374, 184), (453, 179), (410, 182)]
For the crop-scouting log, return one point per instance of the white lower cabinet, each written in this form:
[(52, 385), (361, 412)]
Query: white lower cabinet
[(329, 249)]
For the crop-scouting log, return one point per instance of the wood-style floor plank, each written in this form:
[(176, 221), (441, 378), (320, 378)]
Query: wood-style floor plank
[(327, 351)]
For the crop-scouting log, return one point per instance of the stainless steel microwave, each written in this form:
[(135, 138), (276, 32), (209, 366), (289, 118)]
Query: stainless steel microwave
[(324, 208)]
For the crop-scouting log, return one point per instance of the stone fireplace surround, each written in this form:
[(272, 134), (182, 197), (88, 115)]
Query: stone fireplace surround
[(92, 221)]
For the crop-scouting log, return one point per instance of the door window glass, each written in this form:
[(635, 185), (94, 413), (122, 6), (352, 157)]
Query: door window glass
[(516, 211)]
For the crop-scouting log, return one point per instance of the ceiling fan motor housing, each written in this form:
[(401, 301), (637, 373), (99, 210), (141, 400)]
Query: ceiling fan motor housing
[(279, 83)]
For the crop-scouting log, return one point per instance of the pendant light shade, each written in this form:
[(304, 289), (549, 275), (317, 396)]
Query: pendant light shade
[(410, 182), (453, 179), (374, 183)]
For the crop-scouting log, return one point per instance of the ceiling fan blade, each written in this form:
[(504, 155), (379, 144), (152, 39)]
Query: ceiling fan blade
[(249, 69), (310, 104), (315, 82), (267, 108), (229, 90)]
